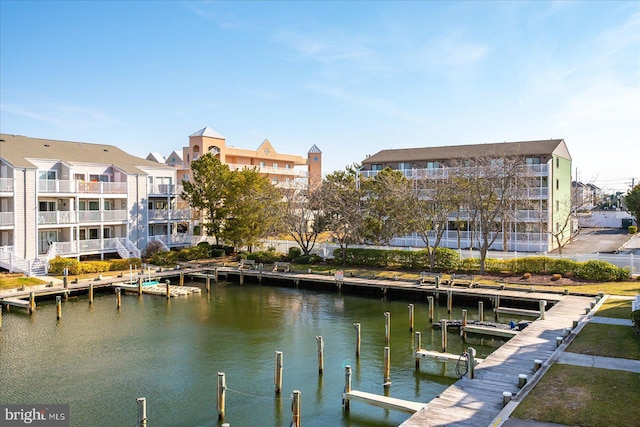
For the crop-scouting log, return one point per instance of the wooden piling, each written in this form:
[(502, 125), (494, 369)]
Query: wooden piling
[(142, 411), (90, 293), (522, 380), (295, 409), (418, 347), (537, 364), (463, 333), (65, 282), (506, 397), (387, 367), (118, 298), (168, 285), (449, 301), (320, 345), (430, 299), (480, 311), (410, 317), (347, 387), (496, 306), (443, 329), (181, 278), (215, 275), (208, 283), (437, 282), (140, 286), (542, 304), (58, 307), (387, 327), (471, 360), (0, 317), (357, 326), (222, 391), (241, 277), (277, 377), (32, 302)]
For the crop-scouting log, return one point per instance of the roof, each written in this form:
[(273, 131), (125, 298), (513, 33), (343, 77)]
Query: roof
[(16, 150), (521, 148), (156, 157), (314, 149), (207, 131)]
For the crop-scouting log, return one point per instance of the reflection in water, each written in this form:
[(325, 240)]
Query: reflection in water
[(100, 359)]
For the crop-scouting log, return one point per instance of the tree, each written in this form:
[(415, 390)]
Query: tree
[(564, 231), (208, 190), (437, 198), (632, 200), (252, 206), (342, 207), (388, 203), (493, 186), (299, 216)]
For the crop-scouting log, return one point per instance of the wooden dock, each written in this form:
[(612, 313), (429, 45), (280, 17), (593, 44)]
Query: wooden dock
[(517, 311), (472, 403), (489, 330), (444, 357), (384, 401)]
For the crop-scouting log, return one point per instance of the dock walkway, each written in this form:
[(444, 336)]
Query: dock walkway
[(472, 403)]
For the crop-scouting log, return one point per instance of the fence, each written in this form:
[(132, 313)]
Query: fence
[(325, 250)]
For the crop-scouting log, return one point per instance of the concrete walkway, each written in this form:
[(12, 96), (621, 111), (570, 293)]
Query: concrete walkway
[(602, 362), (611, 321)]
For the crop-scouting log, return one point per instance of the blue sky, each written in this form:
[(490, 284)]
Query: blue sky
[(351, 77)]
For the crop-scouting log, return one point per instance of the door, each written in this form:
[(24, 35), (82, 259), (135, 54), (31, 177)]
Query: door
[(45, 239)]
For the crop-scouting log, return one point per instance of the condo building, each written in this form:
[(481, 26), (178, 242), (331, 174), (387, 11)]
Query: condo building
[(547, 164)]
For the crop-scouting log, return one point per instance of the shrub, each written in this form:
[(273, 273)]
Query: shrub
[(534, 264), (600, 271), (469, 265), (93, 267), (294, 252), (496, 266), (633, 229), (266, 257), (446, 259), (152, 247), (196, 252), (164, 258), (123, 264), (308, 259), (58, 264), (217, 252), (562, 266), (228, 250)]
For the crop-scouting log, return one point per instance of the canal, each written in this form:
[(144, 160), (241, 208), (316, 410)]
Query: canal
[(99, 359)]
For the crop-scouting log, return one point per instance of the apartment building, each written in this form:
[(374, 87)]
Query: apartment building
[(282, 169), (546, 162), (76, 199)]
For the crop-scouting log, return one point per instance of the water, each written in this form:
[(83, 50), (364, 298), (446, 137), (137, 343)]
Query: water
[(99, 359)]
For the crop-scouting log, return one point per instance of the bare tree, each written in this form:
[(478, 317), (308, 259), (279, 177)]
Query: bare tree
[(342, 207), (563, 231), (436, 198), (299, 216), (494, 184)]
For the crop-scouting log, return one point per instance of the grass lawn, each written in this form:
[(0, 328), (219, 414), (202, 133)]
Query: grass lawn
[(617, 308), (587, 397), (11, 281), (607, 340)]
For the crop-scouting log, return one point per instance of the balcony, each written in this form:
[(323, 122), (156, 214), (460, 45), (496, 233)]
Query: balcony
[(6, 219), (527, 170), (169, 214), (177, 239), (267, 170), (75, 187), (79, 217), (165, 189), (6, 185)]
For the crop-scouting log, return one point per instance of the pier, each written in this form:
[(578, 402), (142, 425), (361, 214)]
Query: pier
[(475, 402), (384, 401)]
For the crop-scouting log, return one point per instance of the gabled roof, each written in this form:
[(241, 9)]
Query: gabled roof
[(16, 150), (207, 131), (174, 157), (314, 149), (156, 157), (522, 148)]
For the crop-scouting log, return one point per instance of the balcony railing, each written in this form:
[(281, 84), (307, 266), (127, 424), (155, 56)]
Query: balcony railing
[(178, 239), (166, 214), (165, 189), (6, 185), (73, 187), (75, 217), (6, 218), (298, 173), (535, 170)]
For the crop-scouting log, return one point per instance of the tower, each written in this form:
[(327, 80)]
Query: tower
[(314, 162)]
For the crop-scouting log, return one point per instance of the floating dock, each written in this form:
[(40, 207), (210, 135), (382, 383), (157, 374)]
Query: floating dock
[(384, 401)]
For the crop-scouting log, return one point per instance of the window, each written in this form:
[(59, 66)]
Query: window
[(533, 160), (376, 167), (557, 205), (47, 206), (287, 166), (106, 233), (557, 162), (557, 184), (404, 166), (94, 205), (263, 164), (275, 166), (98, 178), (433, 165), (94, 233)]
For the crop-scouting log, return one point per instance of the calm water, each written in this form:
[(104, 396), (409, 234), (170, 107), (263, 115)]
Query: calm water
[(99, 360)]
